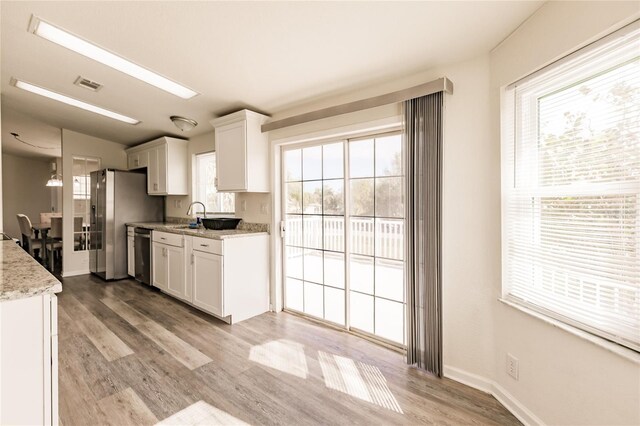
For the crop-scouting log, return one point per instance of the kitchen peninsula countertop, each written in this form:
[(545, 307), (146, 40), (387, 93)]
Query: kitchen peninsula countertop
[(21, 276), (243, 230)]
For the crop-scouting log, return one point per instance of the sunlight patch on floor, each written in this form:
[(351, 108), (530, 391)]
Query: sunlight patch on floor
[(357, 379), (283, 355), (201, 413)]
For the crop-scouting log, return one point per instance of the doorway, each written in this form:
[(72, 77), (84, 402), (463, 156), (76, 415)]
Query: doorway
[(344, 234)]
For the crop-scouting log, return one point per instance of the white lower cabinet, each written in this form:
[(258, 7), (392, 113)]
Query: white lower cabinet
[(159, 266), (29, 361), (214, 275), (207, 276), (168, 263), (176, 280)]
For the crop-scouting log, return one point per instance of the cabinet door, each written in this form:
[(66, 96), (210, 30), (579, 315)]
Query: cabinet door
[(159, 266), (131, 256), (176, 272), (152, 172), (133, 161), (143, 159), (231, 151), (161, 154), (207, 282)]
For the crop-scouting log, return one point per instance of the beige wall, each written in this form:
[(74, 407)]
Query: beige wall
[(24, 190), (112, 155), (564, 379)]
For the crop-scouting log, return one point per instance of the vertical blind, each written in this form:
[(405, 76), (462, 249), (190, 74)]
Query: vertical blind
[(571, 189), (423, 135)]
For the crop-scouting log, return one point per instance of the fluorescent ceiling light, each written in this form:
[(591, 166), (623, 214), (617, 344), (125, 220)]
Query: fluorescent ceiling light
[(71, 101), (78, 45)]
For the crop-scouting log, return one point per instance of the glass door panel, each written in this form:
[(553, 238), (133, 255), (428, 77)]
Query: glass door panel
[(314, 243), (376, 218)]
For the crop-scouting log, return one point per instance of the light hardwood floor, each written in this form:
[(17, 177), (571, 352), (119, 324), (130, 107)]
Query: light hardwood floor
[(131, 355)]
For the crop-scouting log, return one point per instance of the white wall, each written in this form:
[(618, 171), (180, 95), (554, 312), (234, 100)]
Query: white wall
[(176, 205), (469, 204), (196, 145), (24, 190), (1, 213), (112, 155), (563, 378)]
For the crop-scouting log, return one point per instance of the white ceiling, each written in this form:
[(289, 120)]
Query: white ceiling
[(267, 56)]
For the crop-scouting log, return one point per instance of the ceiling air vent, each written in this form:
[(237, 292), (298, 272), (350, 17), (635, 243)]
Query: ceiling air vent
[(87, 84)]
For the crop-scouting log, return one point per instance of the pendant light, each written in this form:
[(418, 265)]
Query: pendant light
[(56, 179)]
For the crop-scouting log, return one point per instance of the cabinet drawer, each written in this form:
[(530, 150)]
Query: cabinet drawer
[(167, 238), (207, 245)]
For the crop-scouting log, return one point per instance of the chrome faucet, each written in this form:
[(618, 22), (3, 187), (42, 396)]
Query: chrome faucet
[(204, 208)]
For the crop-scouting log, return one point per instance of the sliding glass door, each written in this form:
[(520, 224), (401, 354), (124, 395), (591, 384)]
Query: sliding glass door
[(352, 276)]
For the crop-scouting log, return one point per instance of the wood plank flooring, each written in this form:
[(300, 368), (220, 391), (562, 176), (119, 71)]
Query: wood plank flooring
[(129, 355)]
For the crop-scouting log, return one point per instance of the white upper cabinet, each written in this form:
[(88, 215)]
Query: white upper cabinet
[(242, 152), (166, 162)]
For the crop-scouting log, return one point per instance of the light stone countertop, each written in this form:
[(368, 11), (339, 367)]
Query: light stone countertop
[(21, 276), (183, 229)]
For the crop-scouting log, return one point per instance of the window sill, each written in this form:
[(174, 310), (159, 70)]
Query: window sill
[(617, 349)]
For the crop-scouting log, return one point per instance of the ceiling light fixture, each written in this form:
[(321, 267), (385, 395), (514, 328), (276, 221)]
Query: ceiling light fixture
[(65, 39), (71, 101), (184, 124)]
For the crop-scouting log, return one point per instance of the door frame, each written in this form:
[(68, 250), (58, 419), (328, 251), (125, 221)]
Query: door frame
[(388, 124)]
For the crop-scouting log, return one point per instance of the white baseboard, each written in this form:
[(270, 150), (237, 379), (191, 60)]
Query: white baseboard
[(66, 274), (483, 384)]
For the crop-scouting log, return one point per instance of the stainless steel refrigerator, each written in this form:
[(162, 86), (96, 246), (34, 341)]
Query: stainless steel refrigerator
[(117, 198)]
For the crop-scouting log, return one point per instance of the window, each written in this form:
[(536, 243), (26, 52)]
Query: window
[(205, 181), (571, 190)]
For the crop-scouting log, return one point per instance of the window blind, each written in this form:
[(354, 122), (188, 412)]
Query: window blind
[(571, 189)]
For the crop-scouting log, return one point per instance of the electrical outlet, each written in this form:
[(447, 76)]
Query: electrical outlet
[(263, 208), (243, 205), (512, 366), (179, 202)]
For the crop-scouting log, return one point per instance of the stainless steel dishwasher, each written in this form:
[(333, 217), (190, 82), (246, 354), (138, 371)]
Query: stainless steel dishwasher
[(143, 255)]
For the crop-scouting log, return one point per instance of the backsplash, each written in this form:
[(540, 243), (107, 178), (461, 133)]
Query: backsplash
[(245, 226)]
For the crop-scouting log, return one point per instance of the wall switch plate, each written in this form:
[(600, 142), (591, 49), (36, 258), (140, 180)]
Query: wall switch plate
[(243, 205), (512, 366)]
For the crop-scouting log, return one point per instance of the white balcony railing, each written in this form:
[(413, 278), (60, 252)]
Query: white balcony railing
[(379, 237)]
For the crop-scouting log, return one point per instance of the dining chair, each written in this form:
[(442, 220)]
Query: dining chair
[(28, 236), (54, 240)]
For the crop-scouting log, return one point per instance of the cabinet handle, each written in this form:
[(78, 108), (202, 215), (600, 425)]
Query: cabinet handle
[(137, 162), (204, 245), (155, 186), (162, 238), (192, 258)]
